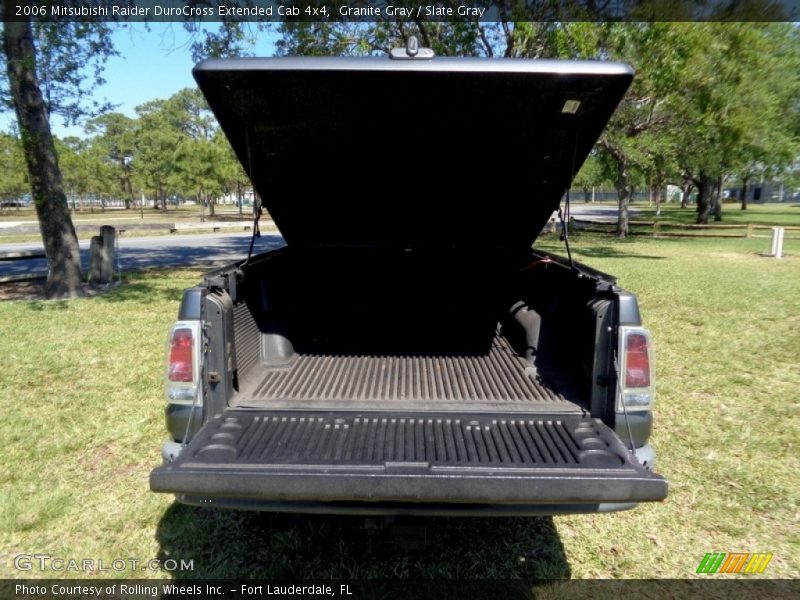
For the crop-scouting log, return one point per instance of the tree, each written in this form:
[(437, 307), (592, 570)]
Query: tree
[(201, 161), (174, 147), (198, 173), (589, 177), (58, 233), (114, 137), (155, 140), (233, 177), (76, 172), (70, 58), (774, 144), (507, 38), (638, 138), (736, 105), (32, 109), (13, 176), (86, 172)]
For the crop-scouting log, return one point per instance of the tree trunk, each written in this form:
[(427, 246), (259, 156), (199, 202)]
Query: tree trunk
[(129, 199), (211, 208), (686, 189), (47, 188), (624, 192), (704, 192), (743, 193), (126, 187), (716, 200)]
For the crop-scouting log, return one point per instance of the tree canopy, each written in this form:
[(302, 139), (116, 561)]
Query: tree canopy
[(710, 102)]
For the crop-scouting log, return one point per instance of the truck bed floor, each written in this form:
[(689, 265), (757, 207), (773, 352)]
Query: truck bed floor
[(475, 382)]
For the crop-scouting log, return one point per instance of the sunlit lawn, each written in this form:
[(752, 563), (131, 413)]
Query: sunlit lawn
[(83, 424), (785, 213)]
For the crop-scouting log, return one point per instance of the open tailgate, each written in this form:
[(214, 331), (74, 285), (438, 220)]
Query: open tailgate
[(411, 457)]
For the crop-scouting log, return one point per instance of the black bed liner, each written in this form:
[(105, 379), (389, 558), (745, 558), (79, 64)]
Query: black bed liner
[(499, 379), (406, 456)]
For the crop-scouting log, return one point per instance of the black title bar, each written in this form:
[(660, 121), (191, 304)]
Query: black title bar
[(407, 589), (403, 10)]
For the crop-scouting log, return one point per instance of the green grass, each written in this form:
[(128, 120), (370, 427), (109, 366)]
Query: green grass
[(183, 211), (786, 214), (727, 327), (83, 424), (154, 223)]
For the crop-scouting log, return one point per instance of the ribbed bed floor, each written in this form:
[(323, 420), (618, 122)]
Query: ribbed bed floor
[(433, 382)]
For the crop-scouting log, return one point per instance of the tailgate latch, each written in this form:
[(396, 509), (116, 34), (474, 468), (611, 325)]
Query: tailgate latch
[(412, 51), (406, 466)]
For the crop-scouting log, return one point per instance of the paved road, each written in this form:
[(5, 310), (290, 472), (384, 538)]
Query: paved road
[(206, 249), (600, 213), (158, 251)]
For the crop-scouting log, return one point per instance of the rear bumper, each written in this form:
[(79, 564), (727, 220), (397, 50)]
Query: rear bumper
[(437, 486), (379, 509)]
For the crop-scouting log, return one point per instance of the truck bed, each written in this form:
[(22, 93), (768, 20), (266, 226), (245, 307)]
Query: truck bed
[(499, 379)]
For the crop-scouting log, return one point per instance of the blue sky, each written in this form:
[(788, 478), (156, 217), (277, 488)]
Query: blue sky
[(152, 63)]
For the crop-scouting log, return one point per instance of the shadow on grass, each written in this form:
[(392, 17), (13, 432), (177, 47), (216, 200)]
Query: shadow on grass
[(605, 252), (136, 289), (241, 544), (47, 306), (142, 290)]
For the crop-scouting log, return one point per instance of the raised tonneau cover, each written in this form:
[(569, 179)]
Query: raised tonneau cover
[(448, 153)]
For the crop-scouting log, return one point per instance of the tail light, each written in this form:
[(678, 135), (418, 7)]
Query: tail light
[(184, 362), (636, 373), (181, 355)]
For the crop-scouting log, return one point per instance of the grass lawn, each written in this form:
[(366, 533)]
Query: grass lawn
[(154, 223), (772, 214), (183, 211), (83, 424)]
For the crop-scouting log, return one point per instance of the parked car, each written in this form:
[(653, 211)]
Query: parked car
[(14, 203)]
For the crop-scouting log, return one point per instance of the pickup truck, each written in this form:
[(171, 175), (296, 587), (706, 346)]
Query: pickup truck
[(408, 350)]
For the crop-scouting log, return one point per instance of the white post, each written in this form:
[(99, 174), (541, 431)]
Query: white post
[(777, 242)]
